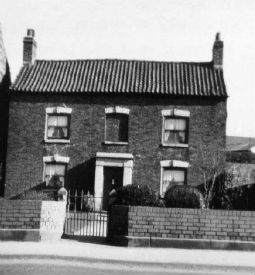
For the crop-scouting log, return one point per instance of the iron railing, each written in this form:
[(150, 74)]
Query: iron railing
[(84, 216)]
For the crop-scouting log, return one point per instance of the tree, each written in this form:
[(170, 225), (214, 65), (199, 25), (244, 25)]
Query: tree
[(215, 179)]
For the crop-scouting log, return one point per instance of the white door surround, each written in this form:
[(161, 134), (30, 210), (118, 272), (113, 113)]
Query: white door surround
[(113, 160)]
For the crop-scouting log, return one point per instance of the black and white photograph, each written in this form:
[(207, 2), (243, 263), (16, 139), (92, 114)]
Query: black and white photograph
[(127, 137)]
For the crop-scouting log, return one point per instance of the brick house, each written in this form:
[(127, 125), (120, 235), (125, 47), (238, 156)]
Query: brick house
[(99, 124)]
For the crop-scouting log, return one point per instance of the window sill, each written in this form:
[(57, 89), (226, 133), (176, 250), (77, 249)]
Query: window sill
[(177, 145), (115, 143), (57, 141)]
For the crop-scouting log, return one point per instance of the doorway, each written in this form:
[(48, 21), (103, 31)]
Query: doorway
[(113, 179)]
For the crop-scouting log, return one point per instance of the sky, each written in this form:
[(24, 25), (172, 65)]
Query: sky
[(164, 30)]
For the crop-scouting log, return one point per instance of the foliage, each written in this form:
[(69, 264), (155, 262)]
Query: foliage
[(211, 164), (183, 196), (37, 195), (55, 182), (219, 191), (242, 197), (137, 195), (240, 157)]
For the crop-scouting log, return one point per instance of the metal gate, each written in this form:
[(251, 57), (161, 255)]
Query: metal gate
[(82, 219)]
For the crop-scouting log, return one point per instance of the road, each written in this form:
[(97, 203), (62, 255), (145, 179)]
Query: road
[(72, 267)]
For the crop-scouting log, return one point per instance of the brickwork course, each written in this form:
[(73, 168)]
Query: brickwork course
[(88, 87), (138, 221)]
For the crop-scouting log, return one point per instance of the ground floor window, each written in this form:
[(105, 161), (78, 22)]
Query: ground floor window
[(173, 172), (172, 177), (55, 174)]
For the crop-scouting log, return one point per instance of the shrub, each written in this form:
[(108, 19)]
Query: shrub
[(220, 197), (37, 195), (88, 202), (242, 197), (183, 196), (137, 195), (240, 157)]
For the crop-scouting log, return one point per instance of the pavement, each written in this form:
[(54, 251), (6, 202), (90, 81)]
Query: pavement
[(90, 252)]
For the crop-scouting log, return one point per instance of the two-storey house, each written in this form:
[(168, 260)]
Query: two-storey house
[(100, 124)]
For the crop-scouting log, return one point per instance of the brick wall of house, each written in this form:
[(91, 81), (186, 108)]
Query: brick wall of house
[(138, 221), (26, 146), (31, 220)]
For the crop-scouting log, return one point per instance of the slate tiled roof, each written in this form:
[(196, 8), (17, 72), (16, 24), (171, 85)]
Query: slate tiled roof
[(121, 76)]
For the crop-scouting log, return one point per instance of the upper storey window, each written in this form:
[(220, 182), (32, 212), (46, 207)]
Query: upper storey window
[(116, 125), (57, 126), (175, 128)]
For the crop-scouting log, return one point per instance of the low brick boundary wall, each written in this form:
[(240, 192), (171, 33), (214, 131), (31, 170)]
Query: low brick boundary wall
[(31, 220), (179, 227)]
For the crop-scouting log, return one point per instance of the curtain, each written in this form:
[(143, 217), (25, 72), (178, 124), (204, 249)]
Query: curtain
[(60, 121), (175, 124)]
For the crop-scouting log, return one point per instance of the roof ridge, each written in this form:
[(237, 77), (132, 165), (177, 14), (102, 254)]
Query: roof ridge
[(126, 60)]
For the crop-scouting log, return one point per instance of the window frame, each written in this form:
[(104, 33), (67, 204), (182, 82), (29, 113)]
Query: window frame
[(111, 111), (57, 111), (176, 165), (175, 114)]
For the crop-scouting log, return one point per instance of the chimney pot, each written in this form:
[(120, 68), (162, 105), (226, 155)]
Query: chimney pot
[(31, 32), (217, 38), (29, 48)]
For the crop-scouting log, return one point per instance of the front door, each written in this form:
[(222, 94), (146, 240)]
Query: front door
[(113, 179)]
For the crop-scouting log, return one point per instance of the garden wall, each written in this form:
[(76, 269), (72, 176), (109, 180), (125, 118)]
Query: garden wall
[(176, 227), (31, 220)]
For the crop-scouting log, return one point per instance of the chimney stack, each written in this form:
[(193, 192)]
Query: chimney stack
[(29, 48), (218, 52)]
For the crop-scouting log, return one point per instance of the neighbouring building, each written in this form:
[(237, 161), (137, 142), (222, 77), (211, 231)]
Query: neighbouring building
[(4, 86), (240, 159), (100, 124)]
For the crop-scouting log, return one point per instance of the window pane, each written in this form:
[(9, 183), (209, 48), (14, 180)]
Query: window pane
[(180, 124), (175, 124), (179, 176), (61, 121), (52, 121), (170, 137), (169, 124), (60, 169), (180, 137)]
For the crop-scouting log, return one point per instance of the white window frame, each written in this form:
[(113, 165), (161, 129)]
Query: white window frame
[(174, 164), (55, 159), (51, 111), (173, 113), (115, 110)]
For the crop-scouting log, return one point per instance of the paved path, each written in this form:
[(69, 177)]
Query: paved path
[(233, 262), (66, 267)]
